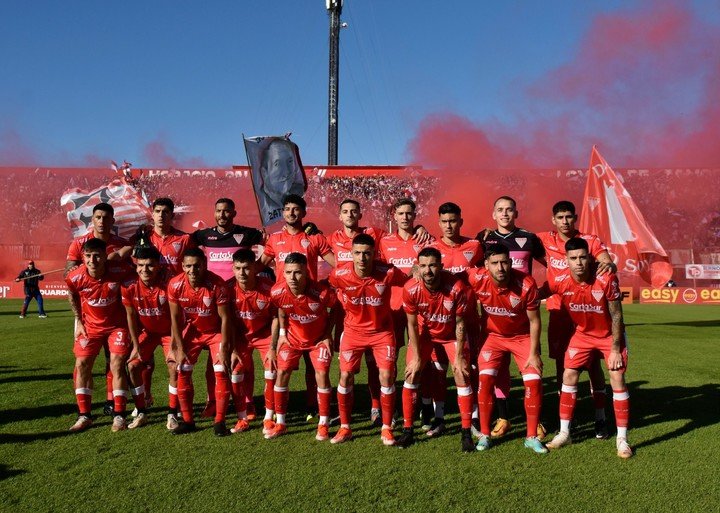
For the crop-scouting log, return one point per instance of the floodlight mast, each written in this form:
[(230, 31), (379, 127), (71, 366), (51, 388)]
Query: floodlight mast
[(334, 8)]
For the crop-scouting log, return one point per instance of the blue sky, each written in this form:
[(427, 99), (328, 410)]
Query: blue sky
[(89, 81)]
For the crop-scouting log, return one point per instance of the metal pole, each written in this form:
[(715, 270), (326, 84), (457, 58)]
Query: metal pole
[(334, 8)]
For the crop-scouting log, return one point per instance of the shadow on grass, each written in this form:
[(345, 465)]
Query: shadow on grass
[(35, 377), (38, 412), (695, 324), (7, 472)]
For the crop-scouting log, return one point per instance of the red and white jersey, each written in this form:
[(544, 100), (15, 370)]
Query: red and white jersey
[(504, 310), (199, 306), (436, 310), (101, 308), (150, 303), (460, 257), (171, 247), (307, 314), (400, 252), (253, 309), (341, 244), (555, 250), (587, 303), (281, 243), (75, 250), (366, 301)]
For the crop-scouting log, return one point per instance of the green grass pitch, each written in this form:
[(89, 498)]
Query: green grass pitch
[(674, 381)]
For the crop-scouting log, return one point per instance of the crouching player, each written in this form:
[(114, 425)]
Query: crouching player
[(594, 303), (255, 328), (148, 317), (305, 326), (200, 318), (94, 293), (435, 305), (510, 325)]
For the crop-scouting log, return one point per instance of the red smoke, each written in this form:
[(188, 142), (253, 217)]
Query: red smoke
[(159, 154)]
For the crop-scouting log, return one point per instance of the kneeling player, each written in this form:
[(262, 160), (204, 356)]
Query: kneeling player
[(200, 319), (594, 303), (435, 305), (511, 325), (148, 316), (94, 293), (305, 326)]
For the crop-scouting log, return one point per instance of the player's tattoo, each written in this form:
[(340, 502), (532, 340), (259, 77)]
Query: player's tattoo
[(69, 266), (618, 324), (74, 305), (460, 331)]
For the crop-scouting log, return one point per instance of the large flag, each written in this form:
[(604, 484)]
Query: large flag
[(131, 207), (610, 213), (276, 171)]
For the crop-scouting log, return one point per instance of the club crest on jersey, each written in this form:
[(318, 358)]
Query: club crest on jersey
[(347, 355), (162, 299), (593, 202), (521, 241), (305, 243), (417, 248), (380, 287), (486, 355), (176, 246), (207, 300), (239, 238), (448, 304), (113, 286), (261, 304), (514, 301), (314, 306), (597, 294), (284, 354), (84, 341), (468, 255), (572, 352)]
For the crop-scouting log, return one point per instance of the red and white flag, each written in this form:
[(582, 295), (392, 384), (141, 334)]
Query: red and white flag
[(131, 207), (609, 212)]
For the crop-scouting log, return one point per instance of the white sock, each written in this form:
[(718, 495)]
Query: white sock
[(564, 426)]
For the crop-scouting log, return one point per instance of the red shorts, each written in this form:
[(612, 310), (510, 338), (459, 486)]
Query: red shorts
[(495, 351), (560, 331), (583, 349), (353, 346), (147, 343), (117, 340), (196, 342), (438, 351), (288, 357)]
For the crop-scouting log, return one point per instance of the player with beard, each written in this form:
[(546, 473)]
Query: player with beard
[(94, 293), (364, 292), (200, 319), (102, 225), (594, 303), (510, 323), (435, 305), (560, 325), (219, 244), (305, 313), (524, 247), (458, 254), (148, 317), (293, 238), (256, 327)]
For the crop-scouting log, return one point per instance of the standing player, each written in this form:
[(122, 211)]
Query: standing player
[(364, 291), (200, 319), (524, 247), (148, 317), (511, 325), (219, 243), (560, 325), (435, 305), (305, 326), (293, 239), (94, 293), (31, 277), (256, 327), (102, 223), (458, 255), (594, 304)]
